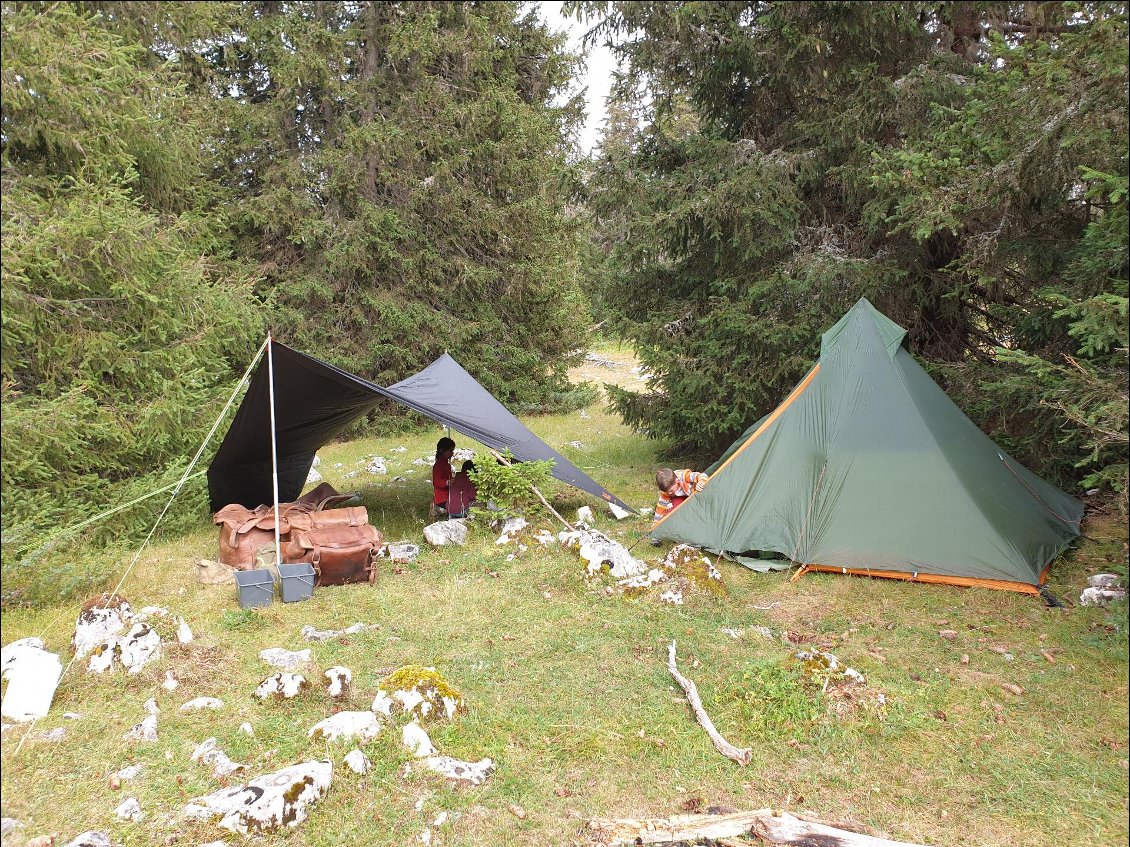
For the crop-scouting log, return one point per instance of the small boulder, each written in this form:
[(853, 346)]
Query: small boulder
[(362, 726), (473, 773), (420, 691), (284, 685), (202, 703), (129, 810), (267, 802), (288, 660), (417, 741), (358, 762), (90, 838), (338, 679), (211, 755), (442, 533)]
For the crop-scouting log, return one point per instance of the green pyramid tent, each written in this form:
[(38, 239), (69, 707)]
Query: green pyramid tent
[(867, 467)]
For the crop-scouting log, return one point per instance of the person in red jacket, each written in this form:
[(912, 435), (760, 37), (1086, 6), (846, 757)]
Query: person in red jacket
[(441, 476), (461, 493)]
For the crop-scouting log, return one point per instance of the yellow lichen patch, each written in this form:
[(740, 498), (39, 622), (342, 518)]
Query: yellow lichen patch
[(423, 691)]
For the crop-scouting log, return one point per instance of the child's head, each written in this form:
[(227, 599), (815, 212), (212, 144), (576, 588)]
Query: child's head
[(468, 466), (445, 446), (664, 479)]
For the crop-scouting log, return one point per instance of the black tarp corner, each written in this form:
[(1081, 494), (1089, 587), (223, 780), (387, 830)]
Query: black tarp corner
[(315, 402)]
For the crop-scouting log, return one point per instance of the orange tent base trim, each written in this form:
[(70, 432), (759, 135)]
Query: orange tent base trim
[(937, 579)]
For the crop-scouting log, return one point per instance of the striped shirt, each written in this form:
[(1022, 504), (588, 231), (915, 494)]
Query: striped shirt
[(687, 482)]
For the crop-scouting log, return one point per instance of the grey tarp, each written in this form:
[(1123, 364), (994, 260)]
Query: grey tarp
[(869, 467), (316, 402)]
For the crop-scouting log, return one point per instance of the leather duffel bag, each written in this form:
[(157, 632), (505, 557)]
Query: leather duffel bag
[(243, 530), (339, 553)]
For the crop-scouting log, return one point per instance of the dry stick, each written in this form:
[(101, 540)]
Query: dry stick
[(740, 755), (765, 824), (545, 502)]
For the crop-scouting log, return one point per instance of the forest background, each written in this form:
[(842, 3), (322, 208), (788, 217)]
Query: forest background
[(382, 182)]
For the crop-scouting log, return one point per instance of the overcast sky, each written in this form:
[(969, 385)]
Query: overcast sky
[(597, 79)]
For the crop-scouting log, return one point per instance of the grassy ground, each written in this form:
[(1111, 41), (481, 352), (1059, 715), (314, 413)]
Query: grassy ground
[(568, 692)]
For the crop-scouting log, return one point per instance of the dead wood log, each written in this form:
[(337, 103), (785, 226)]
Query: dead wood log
[(740, 755), (769, 826)]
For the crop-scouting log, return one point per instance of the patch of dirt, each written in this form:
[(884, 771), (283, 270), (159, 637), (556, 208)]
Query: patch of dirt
[(613, 364)]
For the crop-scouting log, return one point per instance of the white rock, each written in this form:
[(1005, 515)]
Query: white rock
[(144, 731), (150, 706), (417, 741), (129, 810), (645, 512), (170, 683), (33, 675), (129, 772), (288, 660), (510, 529), (399, 450), (90, 838), (363, 726), (316, 462), (96, 625), (461, 455), (313, 477), (211, 755), (674, 597), (425, 837), (544, 537), (9, 825), (202, 703), (763, 631), (442, 533), (1100, 596), (401, 552), (184, 632), (286, 685), (440, 820), (217, 843), (72, 716), (267, 802), (358, 762), (134, 650), (247, 729), (597, 549), (338, 679), (382, 704), (474, 773), (376, 465), (1103, 580), (585, 515), (56, 734), (733, 633)]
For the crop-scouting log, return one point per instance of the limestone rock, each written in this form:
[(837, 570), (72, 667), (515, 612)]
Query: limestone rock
[(285, 685), (474, 773), (101, 619), (129, 810), (211, 755), (362, 726), (267, 802), (442, 533), (311, 634), (417, 741), (510, 530), (147, 729), (90, 838), (202, 703), (597, 549), (288, 660), (376, 465), (358, 762), (338, 679), (420, 691)]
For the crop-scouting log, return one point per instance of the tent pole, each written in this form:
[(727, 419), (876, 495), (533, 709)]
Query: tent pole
[(274, 447)]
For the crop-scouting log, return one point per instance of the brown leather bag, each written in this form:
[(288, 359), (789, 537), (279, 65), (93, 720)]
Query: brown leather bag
[(340, 553), (243, 531)]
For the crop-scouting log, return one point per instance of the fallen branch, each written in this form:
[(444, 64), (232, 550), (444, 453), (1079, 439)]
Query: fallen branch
[(740, 755), (772, 827)]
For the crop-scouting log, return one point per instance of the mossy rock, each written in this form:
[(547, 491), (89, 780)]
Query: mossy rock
[(422, 692)]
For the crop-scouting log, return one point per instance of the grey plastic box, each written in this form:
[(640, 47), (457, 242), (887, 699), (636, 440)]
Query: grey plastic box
[(256, 588), (296, 582)]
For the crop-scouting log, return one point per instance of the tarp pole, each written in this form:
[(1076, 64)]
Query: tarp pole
[(274, 447)]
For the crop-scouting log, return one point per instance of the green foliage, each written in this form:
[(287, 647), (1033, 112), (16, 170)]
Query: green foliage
[(510, 485), (242, 620), (963, 166), (125, 319), (773, 700)]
